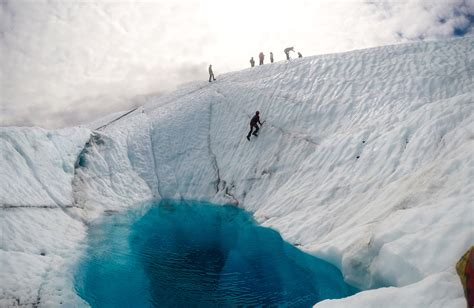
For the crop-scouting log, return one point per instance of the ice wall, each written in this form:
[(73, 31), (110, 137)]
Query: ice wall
[(364, 159), (38, 237)]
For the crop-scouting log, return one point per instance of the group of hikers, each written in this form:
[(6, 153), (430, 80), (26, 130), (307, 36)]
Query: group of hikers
[(256, 118), (261, 56)]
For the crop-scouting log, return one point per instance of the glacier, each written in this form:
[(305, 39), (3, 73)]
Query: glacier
[(365, 160)]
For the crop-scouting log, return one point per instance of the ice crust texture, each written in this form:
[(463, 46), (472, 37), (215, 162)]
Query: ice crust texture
[(365, 160)]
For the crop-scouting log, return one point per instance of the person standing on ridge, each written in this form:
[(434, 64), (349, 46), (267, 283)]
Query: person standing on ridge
[(271, 57), (261, 56), (252, 62), (253, 124), (287, 52), (211, 73), (300, 55)]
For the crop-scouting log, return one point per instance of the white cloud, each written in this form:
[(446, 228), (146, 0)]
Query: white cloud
[(65, 61)]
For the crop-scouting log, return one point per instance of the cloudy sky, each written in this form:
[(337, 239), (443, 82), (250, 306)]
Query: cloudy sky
[(66, 62)]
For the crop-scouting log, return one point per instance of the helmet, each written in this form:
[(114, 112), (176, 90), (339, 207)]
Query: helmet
[(258, 112)]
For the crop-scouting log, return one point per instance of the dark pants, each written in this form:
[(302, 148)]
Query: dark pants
[(287, 55), (251, 129), (261, 62), (211, 75)]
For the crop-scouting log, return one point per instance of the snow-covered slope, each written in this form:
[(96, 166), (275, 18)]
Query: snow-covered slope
[(365, 159)]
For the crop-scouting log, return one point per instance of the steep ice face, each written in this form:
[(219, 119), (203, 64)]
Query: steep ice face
[(39, 238), (38, 166), (364, 159)]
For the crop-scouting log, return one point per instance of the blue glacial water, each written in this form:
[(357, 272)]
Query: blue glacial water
[(181, 254)]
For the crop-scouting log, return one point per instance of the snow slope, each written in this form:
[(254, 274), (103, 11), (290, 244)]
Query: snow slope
[(365, 160)]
